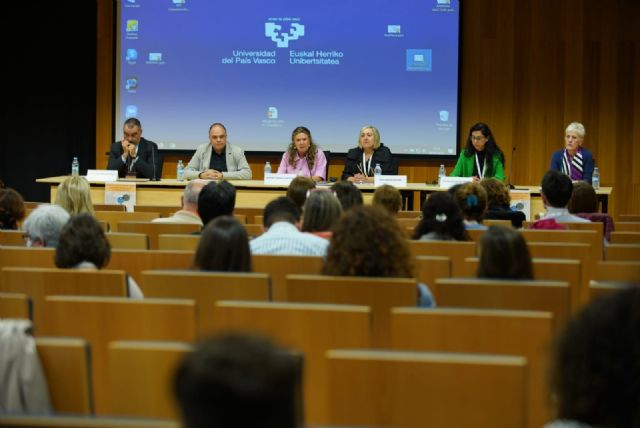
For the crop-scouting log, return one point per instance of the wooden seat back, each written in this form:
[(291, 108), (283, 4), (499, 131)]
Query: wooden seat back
[(599, 289), (135, 261), (309, 328), (626, 271), (457, 251), (520, 333), (278, 267), (152, 230), (15, 305), (100, 320), (206, 288), (628, 226), (163, 210), (623, 252), (253, 230), (178, 242), (591, 237), (128, 241), (546, 296), (429, 268), (12, 237), (141, 375), (426, 389), (625, 238), (380, 294), (112, 218), (109, 207)]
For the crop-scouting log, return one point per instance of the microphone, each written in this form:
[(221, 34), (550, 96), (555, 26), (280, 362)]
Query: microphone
[(153, 160), (513, 153)]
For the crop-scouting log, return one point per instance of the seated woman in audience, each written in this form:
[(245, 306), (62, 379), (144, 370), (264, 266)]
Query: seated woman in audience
[(361, 161), (583, 198), (481, 158), (84, 245), (441, 220), (43, 226), (504, 255), (596, 364), (223, 247), (472, 200), (369, 242), (574, 160), (321, 213), (389, 198), (303, 157), (74, 195), (499, 202), (298, 189), (11, 209), (348, 194)]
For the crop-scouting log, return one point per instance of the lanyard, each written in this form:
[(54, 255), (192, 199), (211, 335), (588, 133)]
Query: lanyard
[(481, 171), (366, 166)]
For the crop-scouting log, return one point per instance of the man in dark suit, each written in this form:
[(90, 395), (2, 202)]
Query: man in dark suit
[(134, 155)]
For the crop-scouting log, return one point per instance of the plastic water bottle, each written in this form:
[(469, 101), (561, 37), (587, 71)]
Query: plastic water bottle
[(267, 168), (441, 173), (595, 178), (180, 173), (377, 170), (75, 167)]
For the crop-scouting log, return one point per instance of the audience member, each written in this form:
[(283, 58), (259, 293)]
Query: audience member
[(583, 198), (43, 226), (504, 255), (84, 245), (189, 203), (389, 198), (239, 381), (556, 191), (298, 189), (441, 220), (223, 247), (322, 210), (499, 202), (11, 209), (281, 220), (596, 364), (472, 200), (74, 195), (216, 199), (348, 194), (369, 242)]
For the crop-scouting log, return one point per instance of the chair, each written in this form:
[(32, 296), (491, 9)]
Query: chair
[(154, 229), (380, 294), (38, 283), (12, 237), (128, 241), (620, 252), (409, 214), (66, 421), (250, 213), (309, 328), (521, 333), (278, 267), (178, 242), (457, 251), (109, 207), (591, 237), (621, 217), (66, 364), (15, 305), (426, 389), (625, 238), (242, 218), (476, 234), (623, 271), (628, 226), (599, 289), (258, 219), (253, 230), (135, 261), (546, 296), (499, 221), (163, 210), (25, 256), (430, 268), (100, 320), (206, 288), (112, 218), (141, 376)]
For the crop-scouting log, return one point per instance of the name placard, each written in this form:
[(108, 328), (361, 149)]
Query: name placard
[(279, 179), (447, 182), (521, 201), (391, 180), (102, 175), (120, 194)]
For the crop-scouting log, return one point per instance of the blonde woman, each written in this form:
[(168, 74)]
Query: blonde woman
[(74, 195), (361, 161)]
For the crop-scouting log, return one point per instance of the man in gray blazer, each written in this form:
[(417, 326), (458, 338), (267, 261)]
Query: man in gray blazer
[(218, 159)]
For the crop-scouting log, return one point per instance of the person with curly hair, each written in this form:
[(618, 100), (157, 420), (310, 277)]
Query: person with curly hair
[(481, 157), (303, 157), (11, 209), (389, 198), (499, 202), (472, 200), (441, 220), (74, 195), (369, 242), (596, 364)]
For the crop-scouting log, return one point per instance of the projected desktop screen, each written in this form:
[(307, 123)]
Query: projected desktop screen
[(265, 67)]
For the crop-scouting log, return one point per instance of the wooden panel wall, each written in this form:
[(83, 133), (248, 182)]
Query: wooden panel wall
[(529, 68)]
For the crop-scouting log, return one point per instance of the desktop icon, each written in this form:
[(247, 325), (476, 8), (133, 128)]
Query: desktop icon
[(155, 56), (179, 3), (272, 113), (132, 26), (394, 29), (444, 1), (418, 59), (131, 84), (132, 55), (131, 111), (131, 1), (444, 116)]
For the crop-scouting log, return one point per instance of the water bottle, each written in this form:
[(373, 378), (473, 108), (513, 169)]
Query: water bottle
[(267, 168), (377, 170), (595, 178), (180, 174), (75, 167), (441, 173)]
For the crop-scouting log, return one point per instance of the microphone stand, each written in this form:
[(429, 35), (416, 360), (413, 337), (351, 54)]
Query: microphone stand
[(153, 160), (513, 153)]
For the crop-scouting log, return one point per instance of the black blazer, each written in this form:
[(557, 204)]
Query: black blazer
[(382, 156), (144, 166)]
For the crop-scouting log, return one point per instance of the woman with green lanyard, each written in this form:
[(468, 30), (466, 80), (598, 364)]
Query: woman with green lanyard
[(481, 158)]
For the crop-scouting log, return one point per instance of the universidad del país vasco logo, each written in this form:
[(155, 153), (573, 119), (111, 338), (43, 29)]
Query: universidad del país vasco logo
[(274, 32)]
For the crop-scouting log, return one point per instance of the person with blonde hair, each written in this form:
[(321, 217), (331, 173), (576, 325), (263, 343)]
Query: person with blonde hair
[(389, 198), (361, 161), (321, 213), (303, 157), (574, 160), (74, 195)]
